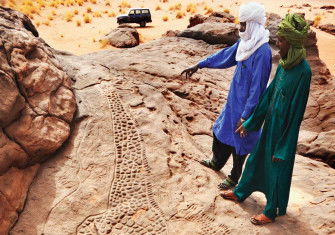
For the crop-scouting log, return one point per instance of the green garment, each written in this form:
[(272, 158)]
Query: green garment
[(281, 108), (294, 29)]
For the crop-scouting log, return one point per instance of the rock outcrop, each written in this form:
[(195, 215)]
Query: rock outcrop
[(215, 17), (123, 36), (132, 166), (37, 105), (329, 28), (213, 33)]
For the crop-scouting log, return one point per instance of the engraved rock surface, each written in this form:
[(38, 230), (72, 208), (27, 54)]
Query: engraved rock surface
[(131, 166)]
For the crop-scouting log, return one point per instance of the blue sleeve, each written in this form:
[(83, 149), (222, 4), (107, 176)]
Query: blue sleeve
[(261, 70), (221, 59)]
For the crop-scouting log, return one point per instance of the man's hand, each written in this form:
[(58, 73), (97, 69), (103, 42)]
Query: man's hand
[(274, 159), (242, 131), (239, 123), (190, 71)]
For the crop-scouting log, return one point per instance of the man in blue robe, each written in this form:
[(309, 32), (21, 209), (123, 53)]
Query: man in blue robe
[(252, 57)]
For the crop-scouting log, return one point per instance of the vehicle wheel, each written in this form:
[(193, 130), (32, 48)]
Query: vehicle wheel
[(142, 24)]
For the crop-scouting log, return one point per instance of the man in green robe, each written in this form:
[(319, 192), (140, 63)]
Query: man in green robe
[(281, 109)]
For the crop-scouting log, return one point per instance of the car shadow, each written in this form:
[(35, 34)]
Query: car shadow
[(139, 27)]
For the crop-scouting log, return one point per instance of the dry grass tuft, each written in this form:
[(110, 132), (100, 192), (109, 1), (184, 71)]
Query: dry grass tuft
[(97, 14), (176, 7), (158, 8), (124, 4), (226, 10), (191, 8), (87, 19), (103, 43), (317, 20), (165, 18), (78, 23), (68, 16), (47, 23), (112, 14), (209, 11), (179, 15)]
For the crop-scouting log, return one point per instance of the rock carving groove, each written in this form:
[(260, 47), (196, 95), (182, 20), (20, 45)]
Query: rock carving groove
[(131, 207)]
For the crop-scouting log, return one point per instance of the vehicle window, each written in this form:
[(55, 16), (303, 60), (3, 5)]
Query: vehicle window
[(138, 12), (131, 13), (145, 11)]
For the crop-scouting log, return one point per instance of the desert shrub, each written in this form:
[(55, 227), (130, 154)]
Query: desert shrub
[(87, 19), (124, 4), (112, 14), (96, 14), (209, 11), (179, 15), (191, 8), (317, 20), (68, 16)]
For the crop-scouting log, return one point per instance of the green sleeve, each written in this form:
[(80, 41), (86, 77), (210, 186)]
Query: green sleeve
[(287, 144), (255, 121)]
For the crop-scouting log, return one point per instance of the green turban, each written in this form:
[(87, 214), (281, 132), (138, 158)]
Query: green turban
[(294, 29)]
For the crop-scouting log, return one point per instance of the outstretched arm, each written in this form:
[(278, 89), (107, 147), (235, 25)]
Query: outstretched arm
[(224, 58)]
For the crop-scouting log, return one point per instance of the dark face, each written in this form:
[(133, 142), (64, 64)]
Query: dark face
[(283, 46), (243, 26)]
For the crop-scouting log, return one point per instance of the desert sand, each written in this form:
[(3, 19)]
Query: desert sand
[(58, 20)]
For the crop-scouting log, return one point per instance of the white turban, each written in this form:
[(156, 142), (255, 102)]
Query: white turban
[(252, 12), (255, 35)]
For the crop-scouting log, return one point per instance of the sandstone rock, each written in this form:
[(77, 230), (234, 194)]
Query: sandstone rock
[(226, 17), (196, 19), (329, 28), (171, 33), (124, 36), (328, 7), (11, 101), (37, 105), (219, 17), (138, 145), (271, 24), (213, 33), (320, 146), (40, 135), (14, 186), (15, 19), (11, 154)]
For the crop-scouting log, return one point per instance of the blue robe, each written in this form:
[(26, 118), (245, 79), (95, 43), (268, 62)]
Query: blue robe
[(249, 82)]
